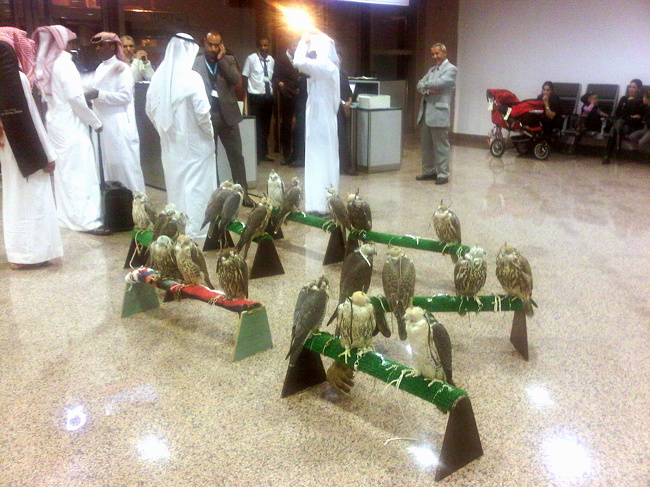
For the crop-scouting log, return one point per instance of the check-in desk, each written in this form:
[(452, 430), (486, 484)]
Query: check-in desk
[(377, 139), (151, 163)]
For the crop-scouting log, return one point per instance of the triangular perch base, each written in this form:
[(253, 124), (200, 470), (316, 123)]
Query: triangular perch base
[(253, 334), (308, 371), (214, 243), (134, 258), (519, 333), (138, 298), (335, 247), (462, 443), (267, 261)]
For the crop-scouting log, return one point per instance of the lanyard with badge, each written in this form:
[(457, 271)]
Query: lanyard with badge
[(213, 72)]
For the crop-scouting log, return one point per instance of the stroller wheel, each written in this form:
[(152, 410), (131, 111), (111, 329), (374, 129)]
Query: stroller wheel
[(522, 148), (541, 150), (497, 147)]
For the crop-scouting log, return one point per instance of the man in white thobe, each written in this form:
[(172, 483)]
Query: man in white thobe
[(31, 232), (178, 106), (111, 90), (140, 65), (316, 56), (76, 183)]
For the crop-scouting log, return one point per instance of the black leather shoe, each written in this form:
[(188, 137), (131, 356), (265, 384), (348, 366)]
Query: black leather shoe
[(442, 181), (426, 177)]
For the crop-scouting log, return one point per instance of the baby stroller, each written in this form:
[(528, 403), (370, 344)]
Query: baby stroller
[(522, 121)]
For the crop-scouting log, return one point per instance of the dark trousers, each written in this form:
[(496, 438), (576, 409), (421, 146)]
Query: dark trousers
[(299, 133), (287, 107), (261, 107), (231, 140), (345, 161)]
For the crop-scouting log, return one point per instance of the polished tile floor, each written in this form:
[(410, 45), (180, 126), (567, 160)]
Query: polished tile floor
[(90, 399)]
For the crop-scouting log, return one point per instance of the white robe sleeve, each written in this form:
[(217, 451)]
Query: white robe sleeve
[(36, 117), (73, 92), (311, 66), (123, 95), (201, 105)]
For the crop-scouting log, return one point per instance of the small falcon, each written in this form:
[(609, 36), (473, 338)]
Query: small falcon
[(230, 210), (515, 275), (308, 315), (290, 202), (430, 344), (359, 213), (275, 189), (398, 278), (338, 209), (255, 225), (215, 205), (233, 275), (356, 324), (470, 272), (191, 262), (144, 212), (447, 226), (162, 258), (170, 222)]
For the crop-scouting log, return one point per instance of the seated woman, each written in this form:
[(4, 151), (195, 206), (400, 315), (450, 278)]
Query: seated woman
[(591, 117), (642, 136), (552, 119), (629, 118)]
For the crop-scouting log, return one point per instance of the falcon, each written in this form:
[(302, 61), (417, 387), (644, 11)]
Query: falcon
[(359, 213), (275, 189), (290, 202), (356, 273), (170, 222), (233, 275), (515, 276), (398, 278), (356, 324), (430, 345), (470, 272), (308, 315), (447, 226), (338, 210), (162, 258), (191, 262), (144, 212), (230, 210), (255, 225), (215, 205)]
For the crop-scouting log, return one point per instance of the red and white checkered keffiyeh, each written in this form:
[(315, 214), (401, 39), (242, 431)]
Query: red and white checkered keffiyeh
[(50, 42), (24, 47)]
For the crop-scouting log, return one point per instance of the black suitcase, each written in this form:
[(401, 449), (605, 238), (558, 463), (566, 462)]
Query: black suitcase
[(117, 200)]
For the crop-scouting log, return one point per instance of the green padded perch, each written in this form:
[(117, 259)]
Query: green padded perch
[(382, 238), (454, 304), (442, 395), (144, 238)]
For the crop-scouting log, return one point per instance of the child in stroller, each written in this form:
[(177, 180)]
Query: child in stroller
[(521, 120)]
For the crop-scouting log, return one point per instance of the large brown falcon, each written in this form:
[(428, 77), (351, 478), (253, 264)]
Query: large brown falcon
[(290, 202), (144, 212), (470, 272), (356, 323), (308, 314), (217, 199), (233, 275), (398, 278), (230, 210), (515, 276), (162, 258), (359, 213), (447, 226), (338, 210), (255, 225), (170, 222), (191, 262)]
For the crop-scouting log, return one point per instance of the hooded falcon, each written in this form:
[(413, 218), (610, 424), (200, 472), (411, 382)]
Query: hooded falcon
[(356, 273), (398, 278), (359, 213), (233, 275), (230, 210), (217, 199), (430, 344), (290, 201), (356, 323), (308, 315), (470, 272), (162, 258), (255, 225), (447, 226), (515, 276), (275, 189), (191, 262), (144, 212)]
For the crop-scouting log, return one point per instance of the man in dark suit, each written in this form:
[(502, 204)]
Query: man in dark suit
[(220, 74)]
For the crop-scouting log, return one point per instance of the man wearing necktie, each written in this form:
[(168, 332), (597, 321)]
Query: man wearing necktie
[(257, 74), (220, 75), (437, 87)]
